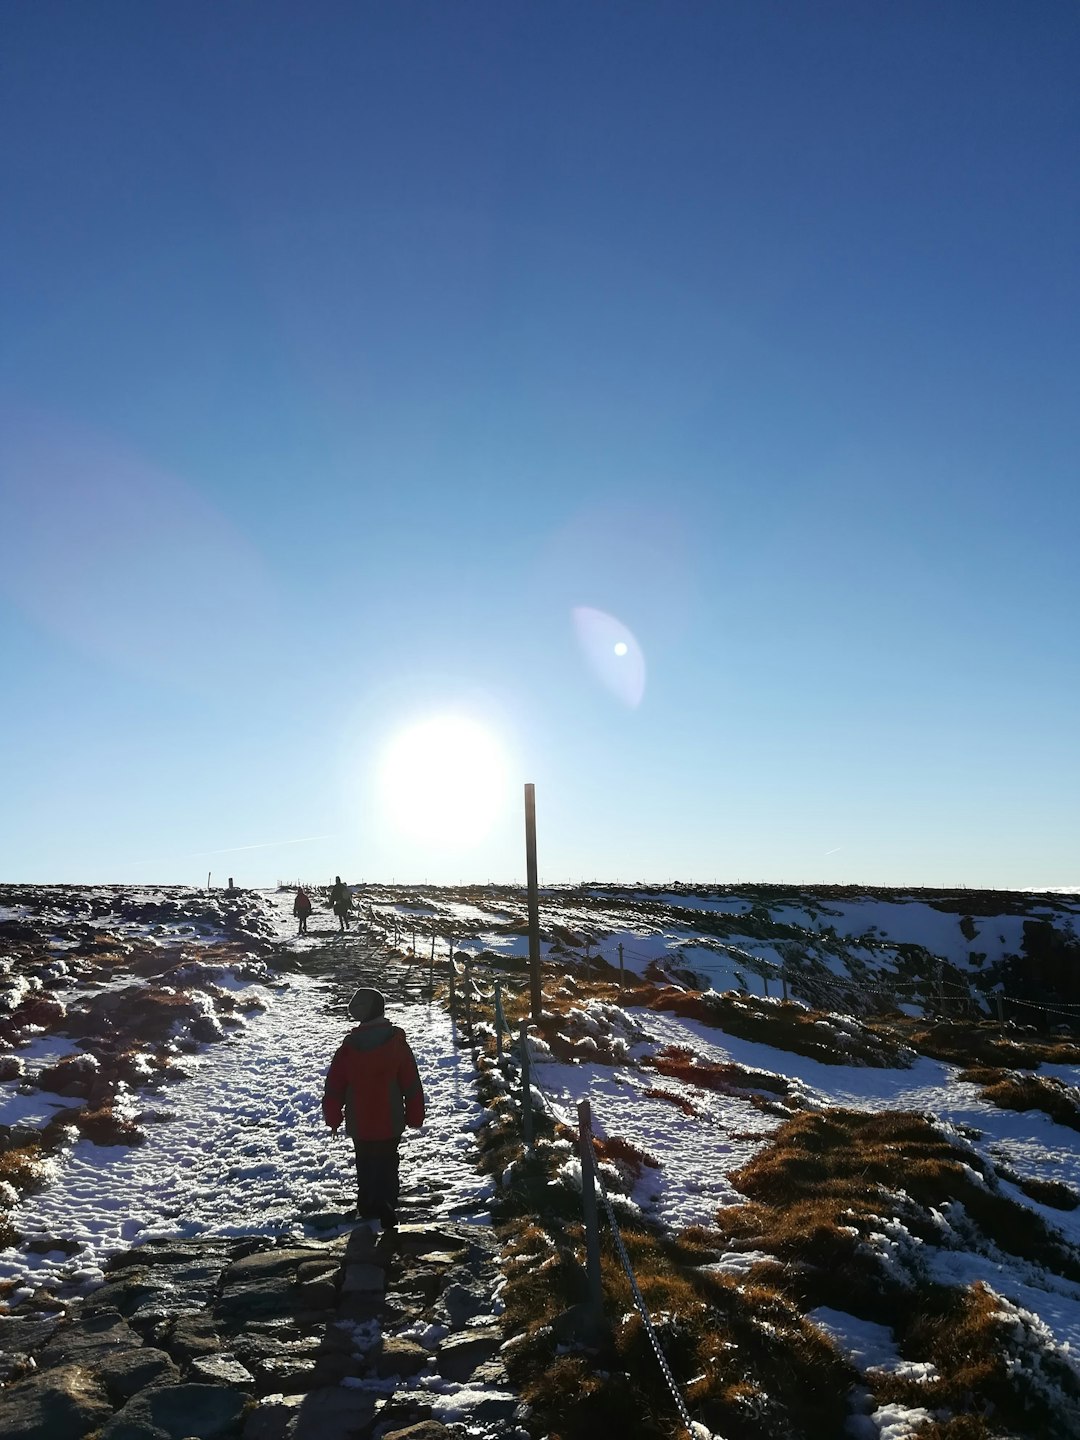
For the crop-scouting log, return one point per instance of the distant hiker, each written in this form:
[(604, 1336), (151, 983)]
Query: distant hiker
[(302, 909), (374, 1082), (341, 901)]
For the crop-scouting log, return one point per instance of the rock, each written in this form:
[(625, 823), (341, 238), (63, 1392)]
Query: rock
[(401, 1357), (271, 1419), (56, 1404), (317, 1295), (130, 1371), (89, 1342), (462, 1304), (192, 1336), (239, 1303), (265, 1264), (223, 1369), (316, 1269), (178, 1412), (333, 1413), (363, 1280), (363, 1245), (460, 1354), (424, 1430)]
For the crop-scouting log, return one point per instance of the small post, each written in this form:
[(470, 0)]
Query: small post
[(940, 991), (431, 968), (433, 948), (765, 982), (468, 996), (783, 982), (453, 988), (498, 1018), (588, 1205), (208, 873), (1000, 1009), (414, 940), (534, 901), (395, 932), (526, 1092), (622, 968)]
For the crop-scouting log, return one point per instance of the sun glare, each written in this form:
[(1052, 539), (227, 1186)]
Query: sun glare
[(444, 780)]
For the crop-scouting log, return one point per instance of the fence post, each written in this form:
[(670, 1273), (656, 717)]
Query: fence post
[(498, 1018), (431, 968), (526, 1092), (588, 1205), (468, 996), (765, 982), (783, 982), (622, 969), (453, 988), (1000, 1009), (395, 932), (414, 940), (433, 947)]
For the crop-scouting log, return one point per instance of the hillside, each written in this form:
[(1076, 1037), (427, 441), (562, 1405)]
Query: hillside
[(853, 1212)]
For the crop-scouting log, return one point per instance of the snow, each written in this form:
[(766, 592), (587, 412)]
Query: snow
[(246, 1150)]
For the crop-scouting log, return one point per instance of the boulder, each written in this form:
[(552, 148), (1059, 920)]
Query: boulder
[(271, 1419), (222, 1369), (333, 1413), (129, 1371), (363, 1280), (460, 1354), (192, 1336), (178, 1412), (89, 1342), (401, 1357), (265, 1264), (57, 1404), (423, 1430)]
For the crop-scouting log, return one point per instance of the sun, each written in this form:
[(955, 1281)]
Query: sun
[(444, 780)]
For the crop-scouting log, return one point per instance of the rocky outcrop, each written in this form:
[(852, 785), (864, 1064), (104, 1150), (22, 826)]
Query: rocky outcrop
[(354, 1337)]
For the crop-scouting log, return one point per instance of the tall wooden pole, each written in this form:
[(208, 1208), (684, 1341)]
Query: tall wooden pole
[(534, 899)]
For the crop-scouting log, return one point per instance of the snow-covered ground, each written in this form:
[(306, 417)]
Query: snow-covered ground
[(245, 1150)]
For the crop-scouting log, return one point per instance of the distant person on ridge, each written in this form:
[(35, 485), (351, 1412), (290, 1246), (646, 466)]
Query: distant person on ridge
[(341, 902), (374, 1082), (302, 909)]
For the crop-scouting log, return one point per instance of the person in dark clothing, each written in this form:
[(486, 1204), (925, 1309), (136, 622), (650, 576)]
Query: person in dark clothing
[(302, 909), (374, 1083), (341, 902)]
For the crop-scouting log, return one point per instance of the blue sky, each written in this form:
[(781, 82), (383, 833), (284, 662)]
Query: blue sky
[(349, 348)]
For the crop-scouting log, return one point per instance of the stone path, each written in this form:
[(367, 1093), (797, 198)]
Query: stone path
[(358, 1336)]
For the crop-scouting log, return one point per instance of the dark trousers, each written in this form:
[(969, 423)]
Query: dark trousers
[(376, 1176)]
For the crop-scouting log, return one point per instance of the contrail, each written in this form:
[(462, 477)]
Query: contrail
[(834, 850), (263, 845), (227, 850)]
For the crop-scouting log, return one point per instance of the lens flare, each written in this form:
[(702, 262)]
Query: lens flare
[(613, 654)]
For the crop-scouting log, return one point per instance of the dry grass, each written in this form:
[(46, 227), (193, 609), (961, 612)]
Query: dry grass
[(834, 1196), (684, 1105), (727, 1078), (977, 1043), (1009, 1090), (23, 1168), (815, 1034)]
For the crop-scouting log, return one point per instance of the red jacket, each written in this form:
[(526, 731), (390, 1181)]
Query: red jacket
[(373, 1079)]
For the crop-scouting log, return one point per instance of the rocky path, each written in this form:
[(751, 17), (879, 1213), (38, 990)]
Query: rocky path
[(299, 1323)]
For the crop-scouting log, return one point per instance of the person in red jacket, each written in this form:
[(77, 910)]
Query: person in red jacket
[(302, 909), (374, 1083)]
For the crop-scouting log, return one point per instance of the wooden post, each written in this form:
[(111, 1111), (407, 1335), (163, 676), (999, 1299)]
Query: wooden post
[(498, 1018), (468, 997), (453, 988), (208, 874), (534, 901), (765, 983), (622, 968), (433, 949), (783, 982), (588, 1205), (526, 1092), (431, 968), (414, 940)]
